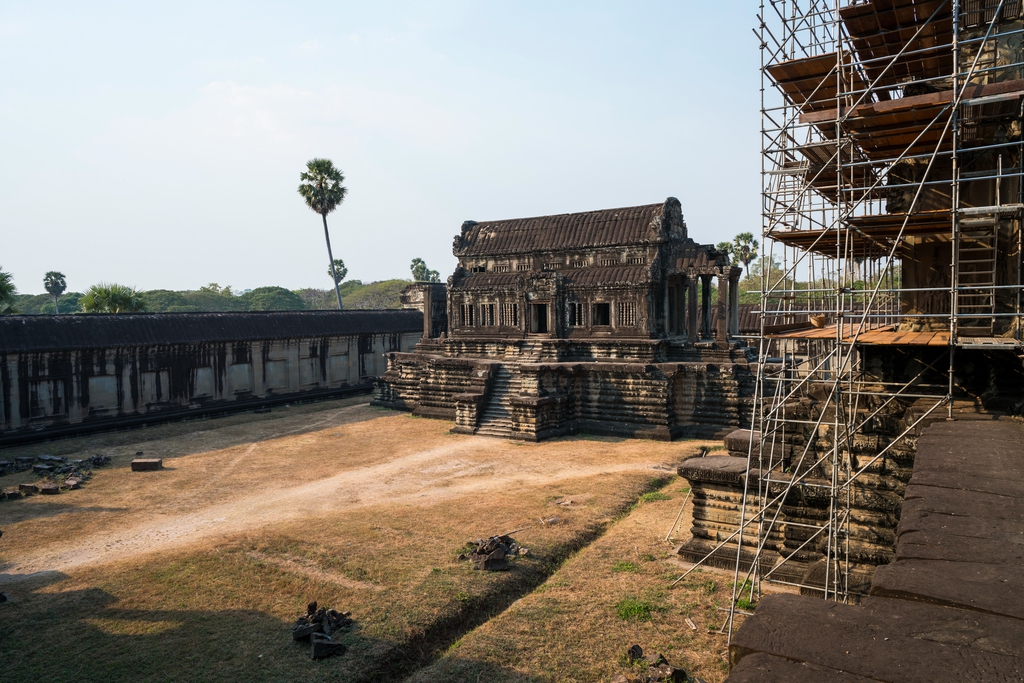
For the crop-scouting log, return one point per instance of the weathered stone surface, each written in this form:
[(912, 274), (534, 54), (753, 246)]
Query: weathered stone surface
[(49, 489), (961, 537), (147, 464), (885, 640), (993, 587), (28, 488), (763, 668), (719, 469)]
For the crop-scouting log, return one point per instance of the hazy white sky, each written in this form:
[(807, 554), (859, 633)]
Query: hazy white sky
[(160, 145)]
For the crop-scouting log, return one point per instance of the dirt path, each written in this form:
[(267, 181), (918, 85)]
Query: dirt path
[(469, 465)]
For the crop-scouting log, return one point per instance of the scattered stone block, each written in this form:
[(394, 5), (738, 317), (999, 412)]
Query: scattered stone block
[(12, 493), (302, 631), (72, 483), (28, 488), (43, 469), (24, 462), (147, 464), (49, 489), (322, 647)]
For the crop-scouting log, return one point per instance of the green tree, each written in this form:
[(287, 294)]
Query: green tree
[(8, 294), (420, 272), (112, 298), (273, 299), (377, 295), (744, 249), (55, 283), (323, 191), (337, 271), (726, 248)]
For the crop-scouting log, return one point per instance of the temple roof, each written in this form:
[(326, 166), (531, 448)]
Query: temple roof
[(44, 332), (590, 229)]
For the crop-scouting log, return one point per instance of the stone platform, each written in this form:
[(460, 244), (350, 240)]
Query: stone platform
[(948, 608)]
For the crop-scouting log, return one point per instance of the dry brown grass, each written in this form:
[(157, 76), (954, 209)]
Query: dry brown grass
[(195, 573), (570, 628)]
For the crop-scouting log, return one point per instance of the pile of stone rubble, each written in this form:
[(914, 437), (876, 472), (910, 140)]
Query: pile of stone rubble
[(58, 473), (493, 554), (654, 668), (317, 625)]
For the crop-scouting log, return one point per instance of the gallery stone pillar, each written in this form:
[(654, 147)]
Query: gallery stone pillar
[(734, 304), (692, 330), (705, 306), (722, 326), (428, 308)]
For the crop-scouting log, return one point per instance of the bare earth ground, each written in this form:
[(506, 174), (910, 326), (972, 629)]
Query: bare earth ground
[(196, 572)]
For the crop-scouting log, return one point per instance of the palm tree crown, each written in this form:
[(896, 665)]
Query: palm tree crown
[(8, 293), (323, 190), (322, 186), (745, 249), (112, 298)]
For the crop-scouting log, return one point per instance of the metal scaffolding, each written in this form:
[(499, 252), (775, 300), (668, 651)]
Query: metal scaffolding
[(891, 165)]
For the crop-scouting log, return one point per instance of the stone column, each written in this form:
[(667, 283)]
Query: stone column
[(722, 326), (428, 307), (705, 306), (692, 330), (734, 304)]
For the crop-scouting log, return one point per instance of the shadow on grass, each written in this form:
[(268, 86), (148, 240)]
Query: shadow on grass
[(14, 511), (87, 635)]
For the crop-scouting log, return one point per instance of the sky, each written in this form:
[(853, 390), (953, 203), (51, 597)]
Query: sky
[(160, 145)]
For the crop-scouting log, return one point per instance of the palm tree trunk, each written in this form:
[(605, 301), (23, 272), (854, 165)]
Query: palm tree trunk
[(330, 255), (56, 308)]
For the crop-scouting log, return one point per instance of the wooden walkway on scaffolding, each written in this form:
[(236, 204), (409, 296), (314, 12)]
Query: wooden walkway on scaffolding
[(881, 336)]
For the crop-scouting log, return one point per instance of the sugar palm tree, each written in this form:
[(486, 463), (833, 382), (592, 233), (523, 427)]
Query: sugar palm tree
[(8, 293), (55, 284), (744, 249), (112, 298), (323, 191), (337, 271)]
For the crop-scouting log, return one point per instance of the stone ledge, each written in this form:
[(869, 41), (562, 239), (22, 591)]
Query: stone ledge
[(763, 668), (884, 640), (717, 469)]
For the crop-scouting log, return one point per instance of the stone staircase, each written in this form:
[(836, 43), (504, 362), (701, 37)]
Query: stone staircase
[(496, 417)]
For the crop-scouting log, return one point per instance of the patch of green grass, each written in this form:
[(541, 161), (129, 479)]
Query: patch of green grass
[(745, 604), (632, 609), (648, 557), (625, 566), (653, 496), (709, 587)]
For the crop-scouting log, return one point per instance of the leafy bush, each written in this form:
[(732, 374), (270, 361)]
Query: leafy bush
[(632, 609), (625, 566)]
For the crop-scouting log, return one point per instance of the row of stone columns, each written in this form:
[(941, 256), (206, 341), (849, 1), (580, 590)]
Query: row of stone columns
[(698, 317)]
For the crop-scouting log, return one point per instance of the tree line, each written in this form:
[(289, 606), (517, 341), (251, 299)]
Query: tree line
[(116, 298)]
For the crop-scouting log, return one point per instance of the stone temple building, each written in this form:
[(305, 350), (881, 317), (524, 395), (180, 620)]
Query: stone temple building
[(611, 321)]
